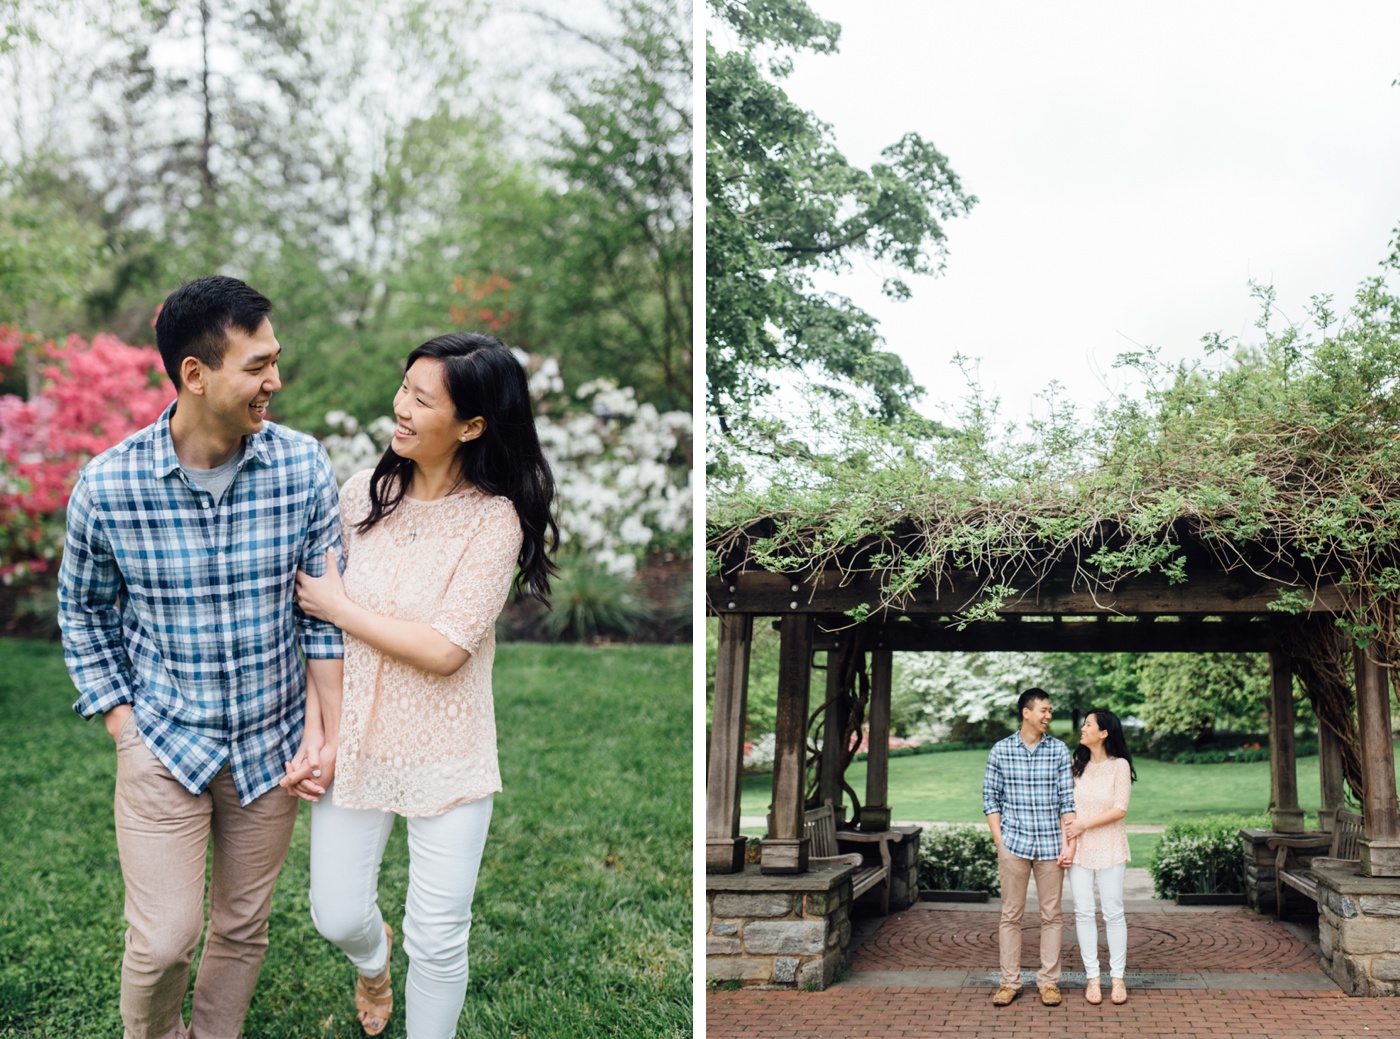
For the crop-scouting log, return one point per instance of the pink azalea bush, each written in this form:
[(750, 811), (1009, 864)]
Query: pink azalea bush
[(92, 395)]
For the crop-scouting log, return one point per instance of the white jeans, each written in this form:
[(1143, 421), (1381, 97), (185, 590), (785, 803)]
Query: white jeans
[(347, 845), (1081, 885)]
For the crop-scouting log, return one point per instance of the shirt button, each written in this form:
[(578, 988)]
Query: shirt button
[(204, 504)]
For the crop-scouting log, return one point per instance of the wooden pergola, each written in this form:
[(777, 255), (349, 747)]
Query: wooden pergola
[(1216, 610)]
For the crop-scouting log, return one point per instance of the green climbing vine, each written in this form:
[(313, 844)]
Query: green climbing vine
[(1280, 456)]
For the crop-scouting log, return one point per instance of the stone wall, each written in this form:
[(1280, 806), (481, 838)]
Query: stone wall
[(1259, 870), (1358, 929), (778, 931)]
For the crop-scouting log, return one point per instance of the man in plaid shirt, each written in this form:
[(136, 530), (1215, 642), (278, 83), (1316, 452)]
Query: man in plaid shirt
[(1028, 796), (179, 629)]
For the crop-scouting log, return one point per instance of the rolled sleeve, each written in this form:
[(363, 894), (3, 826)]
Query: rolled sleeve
[(992, 785), (1064, 782), (319, 639), (89, 612)]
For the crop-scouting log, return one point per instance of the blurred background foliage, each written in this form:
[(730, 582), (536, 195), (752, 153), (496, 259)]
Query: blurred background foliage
[(385, 170)]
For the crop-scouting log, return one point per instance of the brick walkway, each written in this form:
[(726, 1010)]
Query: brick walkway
[(1222, 974), (931, 939)]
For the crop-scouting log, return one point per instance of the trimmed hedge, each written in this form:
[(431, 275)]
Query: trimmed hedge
[(1202, 856)]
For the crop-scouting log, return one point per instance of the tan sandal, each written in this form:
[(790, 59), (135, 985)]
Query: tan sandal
[(1092, 992), (374, 997), (1120, 992)]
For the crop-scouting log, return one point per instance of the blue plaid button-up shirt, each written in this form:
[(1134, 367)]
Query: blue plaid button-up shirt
[(1031, 787), (182, 606)]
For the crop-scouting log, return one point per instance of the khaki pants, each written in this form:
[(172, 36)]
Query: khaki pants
[(1015, 873), (163, 833)]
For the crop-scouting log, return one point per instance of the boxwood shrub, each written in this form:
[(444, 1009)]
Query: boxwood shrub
[(958, 858), (1202, 856)]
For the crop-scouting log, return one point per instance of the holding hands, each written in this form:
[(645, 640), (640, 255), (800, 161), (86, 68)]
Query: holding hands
[(310, 772)]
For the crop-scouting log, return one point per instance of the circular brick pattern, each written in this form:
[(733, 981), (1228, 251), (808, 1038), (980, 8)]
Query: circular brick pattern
[(923, 939)]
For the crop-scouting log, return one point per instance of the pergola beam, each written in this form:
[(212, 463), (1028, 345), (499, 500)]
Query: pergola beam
[(724, 848), (1070, 637), (1380, 847), (1236, 592), (785, 848)]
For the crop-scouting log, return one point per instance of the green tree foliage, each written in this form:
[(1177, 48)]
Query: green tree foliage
[(359, 164), (618, 255), (1193, 694), (783, 203)]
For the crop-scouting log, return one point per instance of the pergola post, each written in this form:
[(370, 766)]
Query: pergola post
[(724, 848), (785, 847), (1380, 847), (833, 725), (1329, 767), (875, 815), (1283, 763)]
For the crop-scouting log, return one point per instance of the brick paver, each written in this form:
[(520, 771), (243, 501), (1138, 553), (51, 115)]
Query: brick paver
[(858, 1013), (932, 939), (928, 938)]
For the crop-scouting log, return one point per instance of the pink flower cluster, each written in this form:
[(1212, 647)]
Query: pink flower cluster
[(92, 396)]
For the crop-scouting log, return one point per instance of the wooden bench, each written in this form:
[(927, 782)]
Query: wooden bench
[(819, 824), (1342, 851)]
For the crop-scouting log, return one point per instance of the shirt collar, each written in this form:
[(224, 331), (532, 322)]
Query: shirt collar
[(164, 461)]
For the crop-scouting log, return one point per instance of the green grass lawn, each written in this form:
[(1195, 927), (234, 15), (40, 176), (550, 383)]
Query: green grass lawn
[(582, 916), (948, 788)]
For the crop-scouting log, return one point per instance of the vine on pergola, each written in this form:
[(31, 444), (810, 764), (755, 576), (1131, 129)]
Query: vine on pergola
[(1285, 458), (1277, 458)]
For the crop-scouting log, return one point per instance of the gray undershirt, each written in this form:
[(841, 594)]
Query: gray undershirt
[(215, 480)]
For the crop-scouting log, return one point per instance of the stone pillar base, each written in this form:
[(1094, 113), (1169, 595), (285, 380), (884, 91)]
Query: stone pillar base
[(1380, 857), (1259, 887), (1358, 931), (1287, 820), (724, 854), (778, 931), (784, 854)]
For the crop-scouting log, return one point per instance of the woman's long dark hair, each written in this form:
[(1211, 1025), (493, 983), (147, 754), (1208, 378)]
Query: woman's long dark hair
[(484, 378), (1116, 746)]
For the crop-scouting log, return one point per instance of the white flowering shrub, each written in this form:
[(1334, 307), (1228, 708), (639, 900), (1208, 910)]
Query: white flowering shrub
[(621, 469), (758, 755), (936, 689)]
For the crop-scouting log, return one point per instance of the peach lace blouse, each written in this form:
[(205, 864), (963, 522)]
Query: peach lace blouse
[(1104, 785), (411, 741)]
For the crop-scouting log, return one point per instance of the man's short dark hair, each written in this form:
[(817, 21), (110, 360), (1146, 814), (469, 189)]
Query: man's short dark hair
[(195, 319), (1029, 697)]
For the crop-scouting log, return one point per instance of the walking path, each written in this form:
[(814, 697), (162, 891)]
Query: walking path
[(1212, 972)]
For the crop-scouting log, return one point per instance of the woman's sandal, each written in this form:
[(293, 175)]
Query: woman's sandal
[(374, 997), (1092, 992), (1120, 992)]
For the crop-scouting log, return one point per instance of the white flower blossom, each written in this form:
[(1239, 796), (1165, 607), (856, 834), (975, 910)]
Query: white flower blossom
[(620, 467)]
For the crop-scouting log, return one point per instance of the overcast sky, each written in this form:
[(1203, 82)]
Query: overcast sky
[(1137, 165)]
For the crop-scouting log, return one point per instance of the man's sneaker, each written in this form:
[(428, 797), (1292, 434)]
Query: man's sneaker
[(1005, 994), (1050, 994)]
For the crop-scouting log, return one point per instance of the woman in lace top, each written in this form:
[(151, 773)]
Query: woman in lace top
[(1103, 777), (433, 537)]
